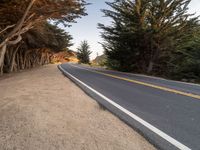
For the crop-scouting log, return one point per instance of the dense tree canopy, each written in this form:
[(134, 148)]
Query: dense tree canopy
[(185, 61), (49, 36), (26, 33), (36, 47), (145, 34)]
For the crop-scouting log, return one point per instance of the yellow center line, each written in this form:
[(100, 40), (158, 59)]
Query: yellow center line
[(152, 85)]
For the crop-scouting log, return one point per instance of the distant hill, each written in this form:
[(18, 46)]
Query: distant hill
[(99, 60), (65, 56)]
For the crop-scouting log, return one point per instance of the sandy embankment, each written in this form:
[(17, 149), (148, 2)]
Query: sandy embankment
[(40, 109)]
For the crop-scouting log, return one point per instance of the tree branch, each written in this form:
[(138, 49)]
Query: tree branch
[(20, 23), (19, 38), (8, 27)]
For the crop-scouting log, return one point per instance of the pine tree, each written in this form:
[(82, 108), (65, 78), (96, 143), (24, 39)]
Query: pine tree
[(144, 33), (84, 52), (185, 61)]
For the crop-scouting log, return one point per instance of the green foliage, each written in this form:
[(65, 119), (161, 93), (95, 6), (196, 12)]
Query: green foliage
[(48, 36), (84, 52), (26, 37), (145, 34), (185, 62), (59, 11)]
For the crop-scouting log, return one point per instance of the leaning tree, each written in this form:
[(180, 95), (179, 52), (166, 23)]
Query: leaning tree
[(19, 16), (36, 48)]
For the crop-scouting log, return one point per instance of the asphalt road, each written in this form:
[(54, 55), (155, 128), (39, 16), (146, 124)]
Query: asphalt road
[(168, 111)]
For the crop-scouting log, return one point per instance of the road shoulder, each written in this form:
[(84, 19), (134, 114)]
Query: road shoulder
[(42, 109)]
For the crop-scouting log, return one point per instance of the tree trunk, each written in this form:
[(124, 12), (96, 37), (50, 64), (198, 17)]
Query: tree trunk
[(9, 36), (2, 55), (12, 61), (150, 67), (19, 24)]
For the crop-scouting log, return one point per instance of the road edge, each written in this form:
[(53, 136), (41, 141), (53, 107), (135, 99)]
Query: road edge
[(149, 135)]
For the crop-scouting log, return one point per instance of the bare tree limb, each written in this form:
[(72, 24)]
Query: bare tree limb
[(18, 39), (8, 27), (21, 21)]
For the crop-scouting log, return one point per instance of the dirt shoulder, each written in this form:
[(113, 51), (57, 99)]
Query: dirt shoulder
[(40, 109)]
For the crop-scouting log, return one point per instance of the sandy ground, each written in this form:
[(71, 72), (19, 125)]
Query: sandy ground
[(40, 109)]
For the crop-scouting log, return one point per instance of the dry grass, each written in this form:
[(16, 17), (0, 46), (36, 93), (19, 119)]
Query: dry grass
[(40, 109)]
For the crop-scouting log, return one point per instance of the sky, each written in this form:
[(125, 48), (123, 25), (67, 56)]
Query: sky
[(86, 27)]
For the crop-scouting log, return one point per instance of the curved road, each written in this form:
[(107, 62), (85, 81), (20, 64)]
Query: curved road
[(166, 112)]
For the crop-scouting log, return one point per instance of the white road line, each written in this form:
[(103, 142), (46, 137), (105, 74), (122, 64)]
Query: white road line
[(135, 117)]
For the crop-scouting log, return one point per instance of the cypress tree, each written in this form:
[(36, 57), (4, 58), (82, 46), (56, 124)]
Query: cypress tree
[(144, 33), (84, 52)]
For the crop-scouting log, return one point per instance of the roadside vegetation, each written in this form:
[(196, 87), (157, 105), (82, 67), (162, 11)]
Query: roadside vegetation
[(153, 37), (29, 32), (83, 53)]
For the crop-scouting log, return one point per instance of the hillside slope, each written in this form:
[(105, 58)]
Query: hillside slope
[(65, 56), (99, 60)]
